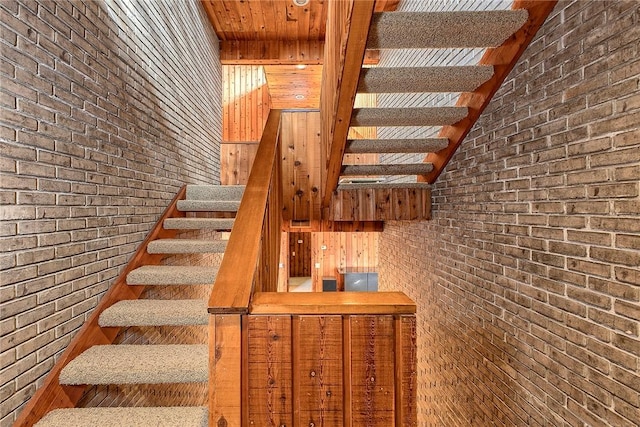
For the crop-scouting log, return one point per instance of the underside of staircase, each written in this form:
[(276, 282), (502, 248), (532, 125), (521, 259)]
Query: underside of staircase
[(422, 30), (173, 308), (398, 157)]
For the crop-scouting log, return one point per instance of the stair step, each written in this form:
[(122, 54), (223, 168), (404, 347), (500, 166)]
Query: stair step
[(207, 206), (427, 116), (214, 192), (169, 416), (459, 29), (149, 312), (391, 169), (383, 186), (198, 223), (138, 364), (429, 145), (423, 79), (172, 275), (186, 246)]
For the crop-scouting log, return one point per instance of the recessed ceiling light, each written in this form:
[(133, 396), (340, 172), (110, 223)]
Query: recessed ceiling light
[(301, 66), (300, 2), (299, 97)]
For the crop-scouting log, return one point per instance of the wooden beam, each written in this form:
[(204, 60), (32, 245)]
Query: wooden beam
[(280, 52), (51, 395), (503, 59), (347, 30), (235, 280), (271, 52), (332, 303)]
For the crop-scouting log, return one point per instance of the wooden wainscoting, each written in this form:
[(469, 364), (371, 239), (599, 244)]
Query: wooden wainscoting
[(337, 360)]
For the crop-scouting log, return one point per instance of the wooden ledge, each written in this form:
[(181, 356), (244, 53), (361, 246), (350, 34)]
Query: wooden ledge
[(331, 303)]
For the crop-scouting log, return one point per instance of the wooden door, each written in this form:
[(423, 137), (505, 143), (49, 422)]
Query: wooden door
[(299, 254)]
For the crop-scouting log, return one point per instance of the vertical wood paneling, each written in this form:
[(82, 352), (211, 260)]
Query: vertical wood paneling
[(347, 28), (356, 249), (372, 370), (406, 373), (270, 399), (245, 102), (235, 162), (381, 204), (300, 142), (225, 355), (318, 383)]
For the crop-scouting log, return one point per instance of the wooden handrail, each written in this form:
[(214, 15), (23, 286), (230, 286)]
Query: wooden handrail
[(503, 59), (325, 303), (238, 271), (348, 24), (51, 395)]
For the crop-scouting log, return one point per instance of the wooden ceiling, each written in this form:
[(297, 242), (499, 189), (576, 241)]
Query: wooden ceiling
[(267, 19), (282, 35)]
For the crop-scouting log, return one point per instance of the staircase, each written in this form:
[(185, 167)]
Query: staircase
[(428, 98), (421, 30), (163, 361)]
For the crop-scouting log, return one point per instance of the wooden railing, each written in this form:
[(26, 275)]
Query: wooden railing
[(305, 359), (52, 395), (346, 37), (250, 264)]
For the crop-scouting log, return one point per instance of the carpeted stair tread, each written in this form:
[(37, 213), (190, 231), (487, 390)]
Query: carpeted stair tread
[(172, 275), (426, 116), (423, 79), (214, 192), (455, 29), (208, 205), (391, 169), (169, 416), (186, 246), (429, 145), (383, 185), (138, 364), (150, 312), (198, 223)]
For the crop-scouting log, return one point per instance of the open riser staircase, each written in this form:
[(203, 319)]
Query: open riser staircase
[(423, 30), (177, 355), (499, 35)]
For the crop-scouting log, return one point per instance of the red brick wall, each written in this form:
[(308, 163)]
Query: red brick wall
[(107, 108), (527, 278)]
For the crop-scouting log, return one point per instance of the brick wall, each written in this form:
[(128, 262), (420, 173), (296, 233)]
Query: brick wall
[(527, 279), (107, 109)]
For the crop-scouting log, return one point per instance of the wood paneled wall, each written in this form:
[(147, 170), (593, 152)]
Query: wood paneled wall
[(236, 161), (301, 165), (342, 250), (299, 367), (246, 102), (381, 204)]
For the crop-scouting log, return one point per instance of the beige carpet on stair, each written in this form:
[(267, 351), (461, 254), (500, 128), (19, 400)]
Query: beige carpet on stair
[(138, 364), (127, 417)]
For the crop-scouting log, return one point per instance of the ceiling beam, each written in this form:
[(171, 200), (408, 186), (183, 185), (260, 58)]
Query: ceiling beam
[(279, 52), (271, 52)]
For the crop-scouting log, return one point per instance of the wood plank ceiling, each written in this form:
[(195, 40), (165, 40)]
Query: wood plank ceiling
[(288, 39)]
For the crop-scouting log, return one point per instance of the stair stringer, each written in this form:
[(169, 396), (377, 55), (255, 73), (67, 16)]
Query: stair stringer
[(52, 395)]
